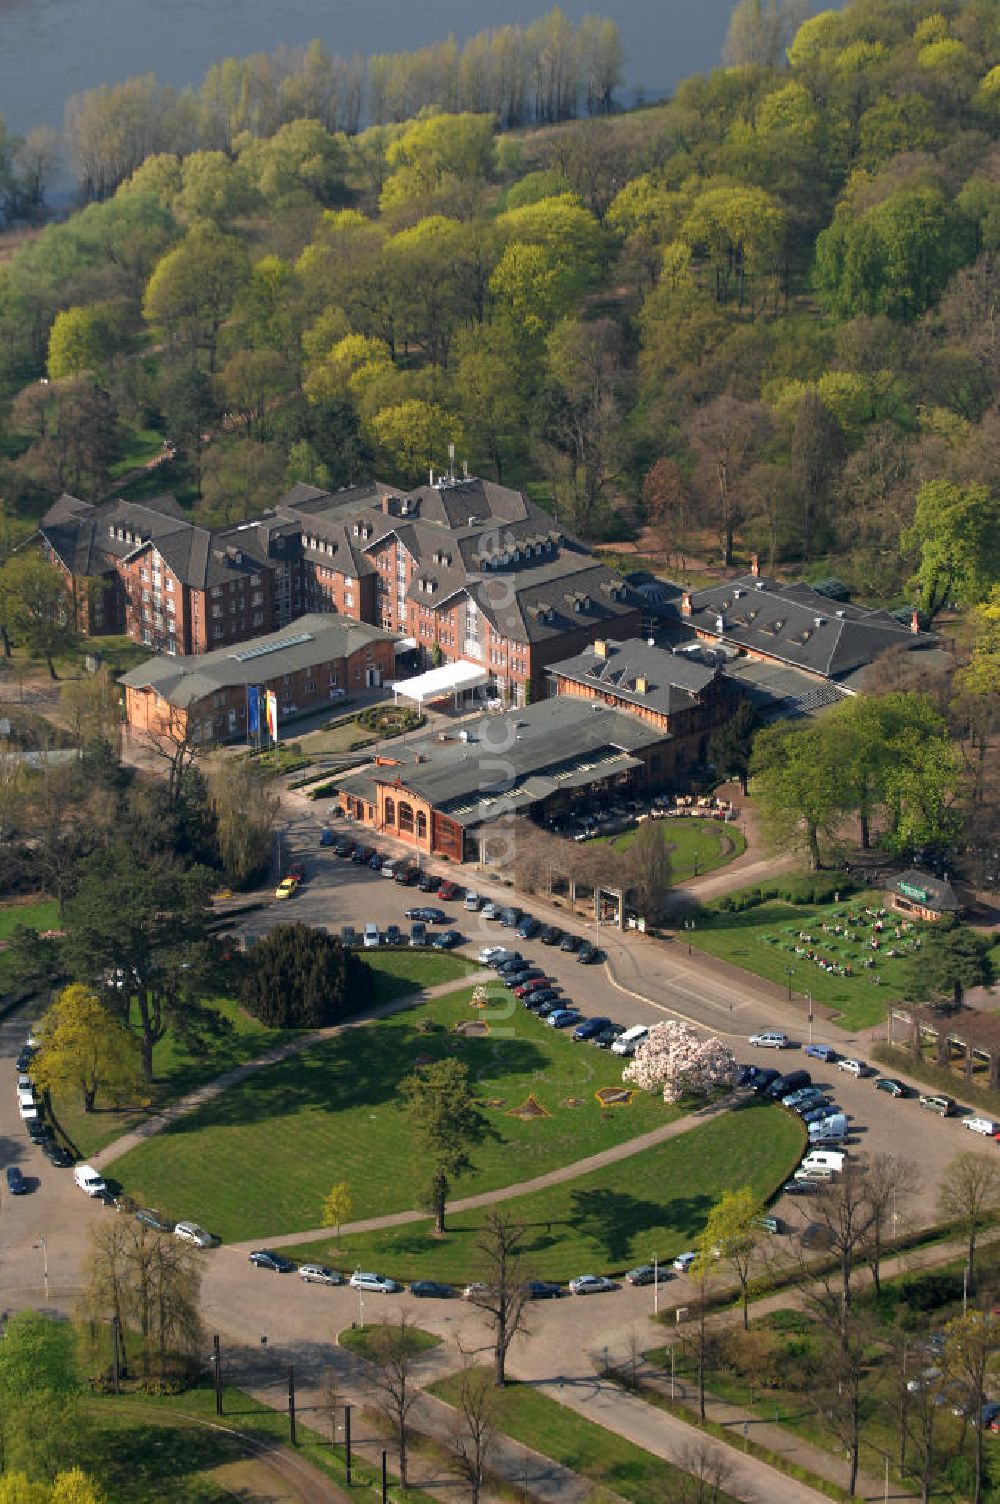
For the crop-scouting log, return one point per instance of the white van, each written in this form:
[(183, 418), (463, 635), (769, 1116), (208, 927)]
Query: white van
[(852, 1067), (629, 1042), (89, 1181), (28, 1111), (26, 1094), (372, 937), (831, 1130), (824, 1159), (985, 1126), (472, 901)]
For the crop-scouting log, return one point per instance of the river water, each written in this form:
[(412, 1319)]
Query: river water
[(51, 49)]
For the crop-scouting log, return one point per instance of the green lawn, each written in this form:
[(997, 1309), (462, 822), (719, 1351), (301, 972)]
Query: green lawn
[(764, 940), (144, 1450), (38, 914), (696, 846), (260, 1158), (608, 1220), (179, 1068), (141, 445), (359, 1339), (599, 1455)]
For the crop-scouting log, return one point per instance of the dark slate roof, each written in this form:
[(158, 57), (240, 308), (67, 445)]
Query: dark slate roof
[(797, 625), (940, 895), (86, 537), (559, 743), (673, 682), (313, 639), (566, 594)]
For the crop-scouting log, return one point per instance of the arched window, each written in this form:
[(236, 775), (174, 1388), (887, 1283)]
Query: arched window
[(390, 811), (421, 825), (406, 819)]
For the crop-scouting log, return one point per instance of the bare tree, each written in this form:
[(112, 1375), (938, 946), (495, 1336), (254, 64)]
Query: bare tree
[(701, 1340), (394, 1351), (844, 1400), (726, 437), (970, 1344), (969, 1193), (501, 1295), (926, 1404), (174, 744), (844, 1212), (647, 869), (151, 1282), (889, 1182), (474, 1435), (245, 805), (708, 1472)]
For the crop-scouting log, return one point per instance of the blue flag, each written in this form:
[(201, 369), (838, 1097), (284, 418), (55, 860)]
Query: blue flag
[(253, 709)]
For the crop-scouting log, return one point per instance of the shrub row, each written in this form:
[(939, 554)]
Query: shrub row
[(938, 1076), (814, 888)]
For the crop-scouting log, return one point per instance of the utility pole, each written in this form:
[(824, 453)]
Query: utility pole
[(291, 1406), (115, 1366), (385, 1480), (347, 1445), (217, 1373)]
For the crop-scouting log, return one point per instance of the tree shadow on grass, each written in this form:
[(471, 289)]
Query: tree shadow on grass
[(147, 1462), (360, 1068), (612, 1220)]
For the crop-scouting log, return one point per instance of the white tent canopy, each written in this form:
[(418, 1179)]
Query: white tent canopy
[(449, 679)]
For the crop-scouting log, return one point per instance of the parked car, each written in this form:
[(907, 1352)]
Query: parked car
[(892, 1086), (518, 978), (472, 901), (381, 1284), (375, 861), (588, 954), (38, 1132), (326, 836), (818, 1111), (852, 1067), (763, 1079), (771, 1039), (287, 888), (449, 891), (543, 997), (591, 1284), (606, 1039), (393, 935), (372, 937), (431, 1289), (800, 1097), (682, 1263), (319, 1274), (344, 848), (429, 882), (822, 1052), (800, 1187), (266, 1258), (25, 1056), (551, 934), (349, 937), (542, 1289), (502, 958), (190, 1232), (547, 1007), (150, 1217), (562, 1018), (534, 984), (591, 1027), (569, 942), (646, 1274), (490, 910), (411, 877), (426, 913), (57, 1156), (16, 1183), (418, 934), (770, 1224), (362, 855), (509, 918), (446, 940), (526, 927)]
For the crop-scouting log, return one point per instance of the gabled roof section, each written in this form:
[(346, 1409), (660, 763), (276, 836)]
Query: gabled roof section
[(639, 674), (798, 625)]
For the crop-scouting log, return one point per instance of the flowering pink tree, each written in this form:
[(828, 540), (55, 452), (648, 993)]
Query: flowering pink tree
[(684, 1063)]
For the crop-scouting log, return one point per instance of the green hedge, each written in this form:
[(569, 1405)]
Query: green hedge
[(814, 888), (938, 1076)]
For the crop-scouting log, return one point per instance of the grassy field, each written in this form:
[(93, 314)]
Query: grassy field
[(608, 1220), (696, 846), (359, 1339), (260, 1158), (143, 1451), (179, 1068), (37, 914), (764, 940), (607, 1460)]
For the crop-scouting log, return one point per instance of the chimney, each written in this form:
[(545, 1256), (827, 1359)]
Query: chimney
[(686, 607), (915, 620), (755, 566), (601, 647), (641, 686)]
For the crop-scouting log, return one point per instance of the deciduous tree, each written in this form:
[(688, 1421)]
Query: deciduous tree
[(84, 1048), (734, 1230), (680, 1061), (338, 1206), (37, 607), (447, 1122), (968, 1196), (395, 1349), (501, 1291), (301, 978)]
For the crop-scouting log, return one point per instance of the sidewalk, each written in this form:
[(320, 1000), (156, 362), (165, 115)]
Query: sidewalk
[(211, 1089)]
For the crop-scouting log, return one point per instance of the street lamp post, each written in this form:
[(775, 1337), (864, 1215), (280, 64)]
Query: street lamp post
[(689, 926), (656, 1286), (45, 1261), (789, 973), (810, 1002)]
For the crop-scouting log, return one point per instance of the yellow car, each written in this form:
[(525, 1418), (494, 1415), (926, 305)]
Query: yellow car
[(287, 887)]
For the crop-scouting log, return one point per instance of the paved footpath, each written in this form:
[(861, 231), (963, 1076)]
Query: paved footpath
[(214, 1088)]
